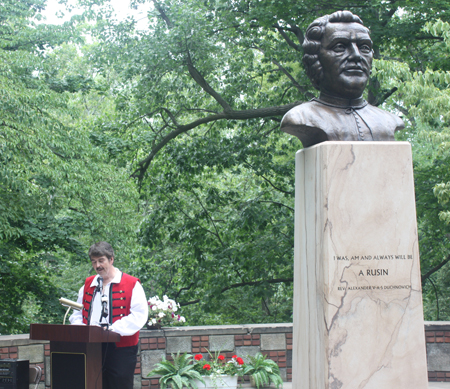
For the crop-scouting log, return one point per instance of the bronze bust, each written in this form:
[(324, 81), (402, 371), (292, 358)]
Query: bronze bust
[(338, 57)]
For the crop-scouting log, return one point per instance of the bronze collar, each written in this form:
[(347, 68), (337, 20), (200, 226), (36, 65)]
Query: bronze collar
[(338, 102)]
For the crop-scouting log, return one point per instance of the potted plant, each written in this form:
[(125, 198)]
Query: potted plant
[(163, 313), (262, 371), (177, 374), (218, 372)]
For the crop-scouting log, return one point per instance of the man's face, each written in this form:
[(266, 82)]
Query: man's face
[(346, 58), (103, 266)]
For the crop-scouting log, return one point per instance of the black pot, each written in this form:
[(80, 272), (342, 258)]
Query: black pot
[(156, 326)]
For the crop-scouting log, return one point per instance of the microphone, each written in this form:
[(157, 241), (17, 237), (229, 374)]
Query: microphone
[(104, 313), (104, 306), (100, 284), (70, 304)]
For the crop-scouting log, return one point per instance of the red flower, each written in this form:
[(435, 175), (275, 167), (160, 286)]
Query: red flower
[(220, 357), (234, 356), (240, 361), (207, 367), (198, 357)]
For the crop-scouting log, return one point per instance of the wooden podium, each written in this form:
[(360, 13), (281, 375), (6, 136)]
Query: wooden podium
[(75, 353)]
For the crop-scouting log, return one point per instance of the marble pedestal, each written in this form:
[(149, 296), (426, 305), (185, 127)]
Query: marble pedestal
[(358, 317)]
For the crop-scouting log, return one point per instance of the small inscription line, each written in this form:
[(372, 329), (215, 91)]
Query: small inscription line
[(372, 257), (370, 287)]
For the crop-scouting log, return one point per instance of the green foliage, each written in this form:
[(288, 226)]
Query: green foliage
[(434, 235), (177, 374), (263, 371), (425, 102), (26, 281), (58, 192), (165, 143), (232, 237), (201, 95)]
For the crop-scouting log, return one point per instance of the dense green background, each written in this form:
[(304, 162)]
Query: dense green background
[(165, 143)]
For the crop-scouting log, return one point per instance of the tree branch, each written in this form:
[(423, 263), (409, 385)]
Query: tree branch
[(276, 203), (423, 37), (199, 79), (288, 75), (238, 285), (233, 115), (288, 40), (181, 289), (437, 298), (162, 13), (171, 116), (270, 183), (275, 187), (433, 270), (209, 217), (388, 94)]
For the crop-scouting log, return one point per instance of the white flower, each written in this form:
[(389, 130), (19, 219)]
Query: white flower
[(161, 308)]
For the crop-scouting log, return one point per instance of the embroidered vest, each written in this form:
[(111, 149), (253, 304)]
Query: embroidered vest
[(120, 301)]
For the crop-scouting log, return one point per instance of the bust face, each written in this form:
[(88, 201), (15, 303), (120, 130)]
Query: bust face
[(346, 58)]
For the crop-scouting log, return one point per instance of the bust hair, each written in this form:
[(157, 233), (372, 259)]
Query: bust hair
[(101, 249), (312, 42)]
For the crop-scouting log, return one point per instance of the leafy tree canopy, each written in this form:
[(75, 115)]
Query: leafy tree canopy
[(202, 93), (165, 143), (58, 192)]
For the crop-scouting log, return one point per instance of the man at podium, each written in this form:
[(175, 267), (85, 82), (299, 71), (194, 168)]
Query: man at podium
[(115, 301)]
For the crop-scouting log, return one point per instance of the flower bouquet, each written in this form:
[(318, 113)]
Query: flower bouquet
[(163, 313), (217, 372)]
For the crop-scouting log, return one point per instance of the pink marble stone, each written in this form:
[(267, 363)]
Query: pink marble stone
[(358, 316)]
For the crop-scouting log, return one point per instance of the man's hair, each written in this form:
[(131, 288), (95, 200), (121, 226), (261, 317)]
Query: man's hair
[(312, 42), (101, 249)]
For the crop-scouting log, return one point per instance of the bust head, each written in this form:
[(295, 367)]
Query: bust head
[(338, 54)]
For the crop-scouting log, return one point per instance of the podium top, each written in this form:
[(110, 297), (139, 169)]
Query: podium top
[(72, 333)]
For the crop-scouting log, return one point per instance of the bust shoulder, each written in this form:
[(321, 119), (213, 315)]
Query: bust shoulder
[(384, 117), (307, 123), (309, 113), (315, 122)]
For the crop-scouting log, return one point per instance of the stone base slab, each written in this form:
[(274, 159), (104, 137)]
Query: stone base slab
[(358, 317)]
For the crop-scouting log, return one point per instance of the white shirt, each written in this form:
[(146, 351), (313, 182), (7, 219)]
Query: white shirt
[(125, 326)]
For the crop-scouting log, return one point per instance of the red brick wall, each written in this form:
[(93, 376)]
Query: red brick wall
[(438, 337), (437, 333), (150, 344), (200, 344), (247, 340)]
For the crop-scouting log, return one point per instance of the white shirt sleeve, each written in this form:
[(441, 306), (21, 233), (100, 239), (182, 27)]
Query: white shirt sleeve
[(77, 316), (129, 325)]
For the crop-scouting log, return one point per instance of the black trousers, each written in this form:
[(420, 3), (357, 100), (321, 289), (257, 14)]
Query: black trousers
[(118, 366)]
